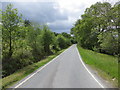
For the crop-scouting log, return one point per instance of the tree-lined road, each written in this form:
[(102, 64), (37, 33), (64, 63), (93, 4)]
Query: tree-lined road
[(65, 71)]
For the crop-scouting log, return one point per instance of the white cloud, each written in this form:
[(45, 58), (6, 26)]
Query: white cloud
[(78, 6), (62, 14), (75, 8), (0, 23), (27, 0)]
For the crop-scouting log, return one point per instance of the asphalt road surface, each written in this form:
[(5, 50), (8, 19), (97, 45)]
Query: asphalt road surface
[(65, 71)]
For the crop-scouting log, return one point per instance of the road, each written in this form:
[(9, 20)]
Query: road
[(65, 71)]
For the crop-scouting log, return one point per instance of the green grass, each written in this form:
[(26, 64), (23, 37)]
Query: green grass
[(106, 65), (20, 74)]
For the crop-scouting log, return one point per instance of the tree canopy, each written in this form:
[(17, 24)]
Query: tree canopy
[(25, 42), (98, 28)]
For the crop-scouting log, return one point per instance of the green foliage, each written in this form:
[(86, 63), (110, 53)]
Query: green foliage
[(66, 35), (34, 39), (47, 39), (110, 42), (10, 21), (54, 45), (24, 42), (98, 28), (63, 42)]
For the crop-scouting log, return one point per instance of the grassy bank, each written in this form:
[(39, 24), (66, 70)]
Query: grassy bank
[(20, 74), (106, 65)]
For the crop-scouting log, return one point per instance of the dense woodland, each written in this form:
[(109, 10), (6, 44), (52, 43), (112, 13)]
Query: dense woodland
[(24, 42), (99, 28)]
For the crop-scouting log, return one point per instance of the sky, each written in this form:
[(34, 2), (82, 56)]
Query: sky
[(59, 15)]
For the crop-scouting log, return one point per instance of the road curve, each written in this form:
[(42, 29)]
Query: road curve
[(65, 71)]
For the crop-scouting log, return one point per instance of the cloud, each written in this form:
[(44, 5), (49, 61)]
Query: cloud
[(60, 15), (41, 12)]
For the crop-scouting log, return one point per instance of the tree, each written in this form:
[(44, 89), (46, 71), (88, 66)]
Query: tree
[(54, 45), (66, 35), (61, 41), (34, 39), (27, 23), (98, 28), (25, 42), (11, 22), (47, 39)]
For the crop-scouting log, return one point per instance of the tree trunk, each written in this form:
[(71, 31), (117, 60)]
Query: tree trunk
[(46, 48), (10, 45)]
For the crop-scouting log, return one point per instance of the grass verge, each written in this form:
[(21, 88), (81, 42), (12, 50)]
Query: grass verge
[(20, 74), (106, 65)]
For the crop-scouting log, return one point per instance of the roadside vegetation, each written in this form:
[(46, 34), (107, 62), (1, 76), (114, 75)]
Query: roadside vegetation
[(98, 32), (98, 28), (21, 73), (106, 65), (25, 43)]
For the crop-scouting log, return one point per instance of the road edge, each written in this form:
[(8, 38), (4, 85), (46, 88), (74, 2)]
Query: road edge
[(87, 68), (38, 70)]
